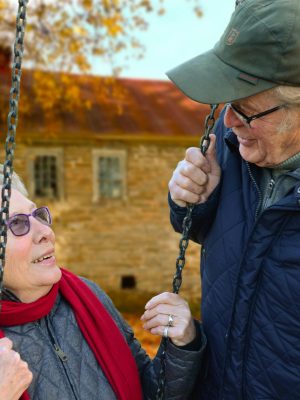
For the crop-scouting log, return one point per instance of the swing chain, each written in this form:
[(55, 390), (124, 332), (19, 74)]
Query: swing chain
[(209, 124), (183, 244), (187, 221), (12, 121)]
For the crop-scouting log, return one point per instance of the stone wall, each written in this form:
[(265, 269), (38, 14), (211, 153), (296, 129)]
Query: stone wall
[(108, 239)]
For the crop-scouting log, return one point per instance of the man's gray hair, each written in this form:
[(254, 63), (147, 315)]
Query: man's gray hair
[(288, 94), (291, 96), (16, 182)]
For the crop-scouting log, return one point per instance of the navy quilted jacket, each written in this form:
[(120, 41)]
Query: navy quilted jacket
[(250, 269), (74, 374)]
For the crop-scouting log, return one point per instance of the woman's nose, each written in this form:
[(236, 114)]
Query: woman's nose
[(231, 120), (41, 231)]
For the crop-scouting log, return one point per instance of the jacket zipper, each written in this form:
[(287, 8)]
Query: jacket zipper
[(227, 332), (61, 355), (257, 189), (270, 188), (269, 192), (260, 200)]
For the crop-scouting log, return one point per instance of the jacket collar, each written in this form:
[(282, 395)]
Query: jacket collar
[(231, 140)]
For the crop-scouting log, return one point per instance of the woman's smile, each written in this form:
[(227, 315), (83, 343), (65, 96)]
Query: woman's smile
[(45, 260)]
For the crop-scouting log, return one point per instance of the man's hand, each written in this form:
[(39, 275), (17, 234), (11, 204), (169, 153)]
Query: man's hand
[(196, 176)]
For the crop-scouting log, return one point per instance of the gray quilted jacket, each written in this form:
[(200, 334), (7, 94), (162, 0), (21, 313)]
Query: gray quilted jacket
[(64, 367)]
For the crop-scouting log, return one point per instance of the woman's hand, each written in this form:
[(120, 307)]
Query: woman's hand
[(15, 376), (157, 314)]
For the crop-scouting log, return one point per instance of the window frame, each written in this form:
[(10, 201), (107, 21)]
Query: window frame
[(32, 154), (112, 153)]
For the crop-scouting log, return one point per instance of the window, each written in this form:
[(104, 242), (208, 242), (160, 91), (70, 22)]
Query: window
[(110, 177), (109, 174), (45, 176), (128, 282), (45, 173)]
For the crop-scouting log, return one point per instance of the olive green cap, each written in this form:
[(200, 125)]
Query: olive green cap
[(259, 49)]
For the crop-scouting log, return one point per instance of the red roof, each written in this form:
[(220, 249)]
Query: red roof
[(129, 106)]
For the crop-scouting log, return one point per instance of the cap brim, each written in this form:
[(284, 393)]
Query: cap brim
[(207, 79)]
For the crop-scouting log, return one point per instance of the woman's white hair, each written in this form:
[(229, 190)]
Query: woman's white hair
[(16, 182)]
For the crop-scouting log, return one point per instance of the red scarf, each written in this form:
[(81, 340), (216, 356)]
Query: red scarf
[(98, 328)]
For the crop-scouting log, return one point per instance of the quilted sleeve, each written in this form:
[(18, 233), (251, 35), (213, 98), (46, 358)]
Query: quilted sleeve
[(182, 366), (202, 216)]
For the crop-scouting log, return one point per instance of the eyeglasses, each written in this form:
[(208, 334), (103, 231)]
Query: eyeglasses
[(247, 120), (19, 224)]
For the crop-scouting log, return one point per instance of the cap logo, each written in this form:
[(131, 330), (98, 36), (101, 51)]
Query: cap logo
[(232, 36), (248, 78)]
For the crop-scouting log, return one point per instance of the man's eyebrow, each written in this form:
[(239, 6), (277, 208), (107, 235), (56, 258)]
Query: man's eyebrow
[(245, 107)]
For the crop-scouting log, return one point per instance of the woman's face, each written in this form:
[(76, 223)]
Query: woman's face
[(27, 274)]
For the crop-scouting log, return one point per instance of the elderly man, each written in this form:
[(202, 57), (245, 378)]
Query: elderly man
[(247, 195)]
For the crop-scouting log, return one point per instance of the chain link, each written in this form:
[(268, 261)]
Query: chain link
[(12, 121), (183, 244), (238, 2)]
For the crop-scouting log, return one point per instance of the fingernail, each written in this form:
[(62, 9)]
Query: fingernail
[(148, 305)]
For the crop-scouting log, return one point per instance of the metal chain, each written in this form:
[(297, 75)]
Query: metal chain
[(12, 121), (183, 244), (238, 2)]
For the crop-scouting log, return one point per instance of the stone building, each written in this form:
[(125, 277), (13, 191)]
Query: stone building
[(103, 171)]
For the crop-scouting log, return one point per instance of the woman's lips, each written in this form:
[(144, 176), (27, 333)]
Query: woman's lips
[(47, 261)]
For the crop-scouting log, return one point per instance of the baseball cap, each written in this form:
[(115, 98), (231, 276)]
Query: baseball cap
[(260, 49)]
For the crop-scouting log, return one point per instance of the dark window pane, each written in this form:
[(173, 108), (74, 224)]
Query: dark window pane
[(110, 177), (128, 282), (45, 176)]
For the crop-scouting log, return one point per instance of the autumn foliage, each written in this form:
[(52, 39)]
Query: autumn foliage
[(68, 36)]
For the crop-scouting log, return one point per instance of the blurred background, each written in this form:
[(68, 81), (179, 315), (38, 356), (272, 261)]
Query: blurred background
[(101, 129)]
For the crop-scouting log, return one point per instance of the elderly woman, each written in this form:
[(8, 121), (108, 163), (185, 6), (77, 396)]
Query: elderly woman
[(75, 342)]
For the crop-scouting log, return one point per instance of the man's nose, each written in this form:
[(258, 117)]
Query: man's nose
[(231, 120)]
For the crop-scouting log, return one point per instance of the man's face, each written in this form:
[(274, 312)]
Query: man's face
[(262, 143)]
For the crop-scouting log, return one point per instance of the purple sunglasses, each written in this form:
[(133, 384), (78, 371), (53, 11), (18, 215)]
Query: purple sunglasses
[(19, 224)]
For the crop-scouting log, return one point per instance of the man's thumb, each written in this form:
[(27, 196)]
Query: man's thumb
[(211, 155)]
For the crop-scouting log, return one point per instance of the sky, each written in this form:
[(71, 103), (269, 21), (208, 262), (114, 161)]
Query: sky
[(176, 37)]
